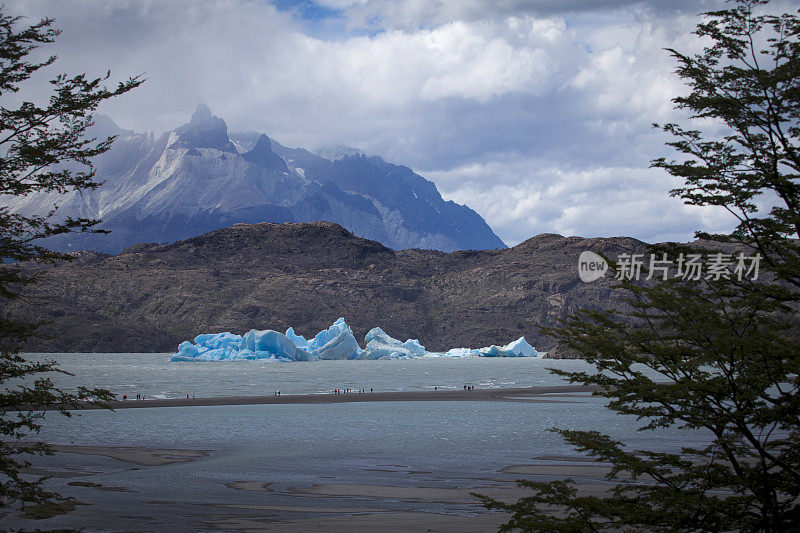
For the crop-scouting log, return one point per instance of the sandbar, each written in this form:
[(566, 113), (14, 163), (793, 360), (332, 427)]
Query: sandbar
[(371, 522), (477, 395)]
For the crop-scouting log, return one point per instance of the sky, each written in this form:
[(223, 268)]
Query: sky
[(535, 113)]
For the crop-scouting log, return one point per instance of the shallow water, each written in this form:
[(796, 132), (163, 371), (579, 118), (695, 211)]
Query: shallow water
[(441, 436), (290, 447), (410, 429)]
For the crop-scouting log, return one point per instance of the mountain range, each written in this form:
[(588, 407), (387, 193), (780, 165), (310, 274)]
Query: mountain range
[(198, 178)]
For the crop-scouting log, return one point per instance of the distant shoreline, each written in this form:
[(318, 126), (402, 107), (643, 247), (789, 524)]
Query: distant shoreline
[(483, 395)]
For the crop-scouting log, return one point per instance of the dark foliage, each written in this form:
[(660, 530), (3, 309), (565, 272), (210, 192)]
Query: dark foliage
[(35, 142), (718, 354)]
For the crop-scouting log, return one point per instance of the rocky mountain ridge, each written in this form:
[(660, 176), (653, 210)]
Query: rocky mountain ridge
[(151, 297)]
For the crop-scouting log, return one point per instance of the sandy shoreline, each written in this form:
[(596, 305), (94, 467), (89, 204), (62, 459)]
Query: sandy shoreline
[(481, 395)]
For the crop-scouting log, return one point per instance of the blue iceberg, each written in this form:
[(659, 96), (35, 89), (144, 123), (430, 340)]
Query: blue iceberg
[(518, 348), (270, 344), (381, 346), (336, 342), (459, 352), (255, 344), (210, 347)]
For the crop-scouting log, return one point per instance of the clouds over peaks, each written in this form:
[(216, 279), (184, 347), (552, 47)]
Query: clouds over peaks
[(526, 110)]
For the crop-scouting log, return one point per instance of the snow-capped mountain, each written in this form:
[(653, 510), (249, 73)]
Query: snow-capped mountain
[(195, 179)]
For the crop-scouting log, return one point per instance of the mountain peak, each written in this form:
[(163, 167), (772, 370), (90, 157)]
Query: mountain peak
[(263, 143), (204, 183), (262, 155), (201, 113), (103, 126), (205, 130)]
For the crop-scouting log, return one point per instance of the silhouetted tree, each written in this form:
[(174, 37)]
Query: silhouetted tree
[(36, 140), (723, 354)]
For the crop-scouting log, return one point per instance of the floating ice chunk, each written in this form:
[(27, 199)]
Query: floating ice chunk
[(521, 348), (381, 346), (272, 344), (496, 351), (186, 351), (254, 345), (298, 340), (377, 333), (518, 348), (208, 347), (336, 342), (221, 341), (327, 335), (415, 348), (462, 352), (343, 346)]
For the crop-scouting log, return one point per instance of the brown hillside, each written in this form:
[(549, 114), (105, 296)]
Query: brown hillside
[(272, 276)]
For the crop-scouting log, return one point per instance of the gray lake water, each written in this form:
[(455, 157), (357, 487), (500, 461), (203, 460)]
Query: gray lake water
[(155, 376), (290, 446), (411, 429)]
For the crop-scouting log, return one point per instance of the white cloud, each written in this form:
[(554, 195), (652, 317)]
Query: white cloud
[(536, 114), (602, 201), (411, 15)]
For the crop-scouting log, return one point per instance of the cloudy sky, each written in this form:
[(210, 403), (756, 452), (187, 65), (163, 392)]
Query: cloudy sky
[(535, 113)]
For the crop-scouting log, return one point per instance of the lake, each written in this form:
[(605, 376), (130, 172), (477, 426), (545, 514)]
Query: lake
[(295, 462), (155, 376)]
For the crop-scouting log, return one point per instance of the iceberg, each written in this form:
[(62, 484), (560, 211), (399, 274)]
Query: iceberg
[(336, 342), (269, 344), (209, 347), (344, 346), (298, 340), (227, 346), (518, 348), (461, 352), (381, 346)]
